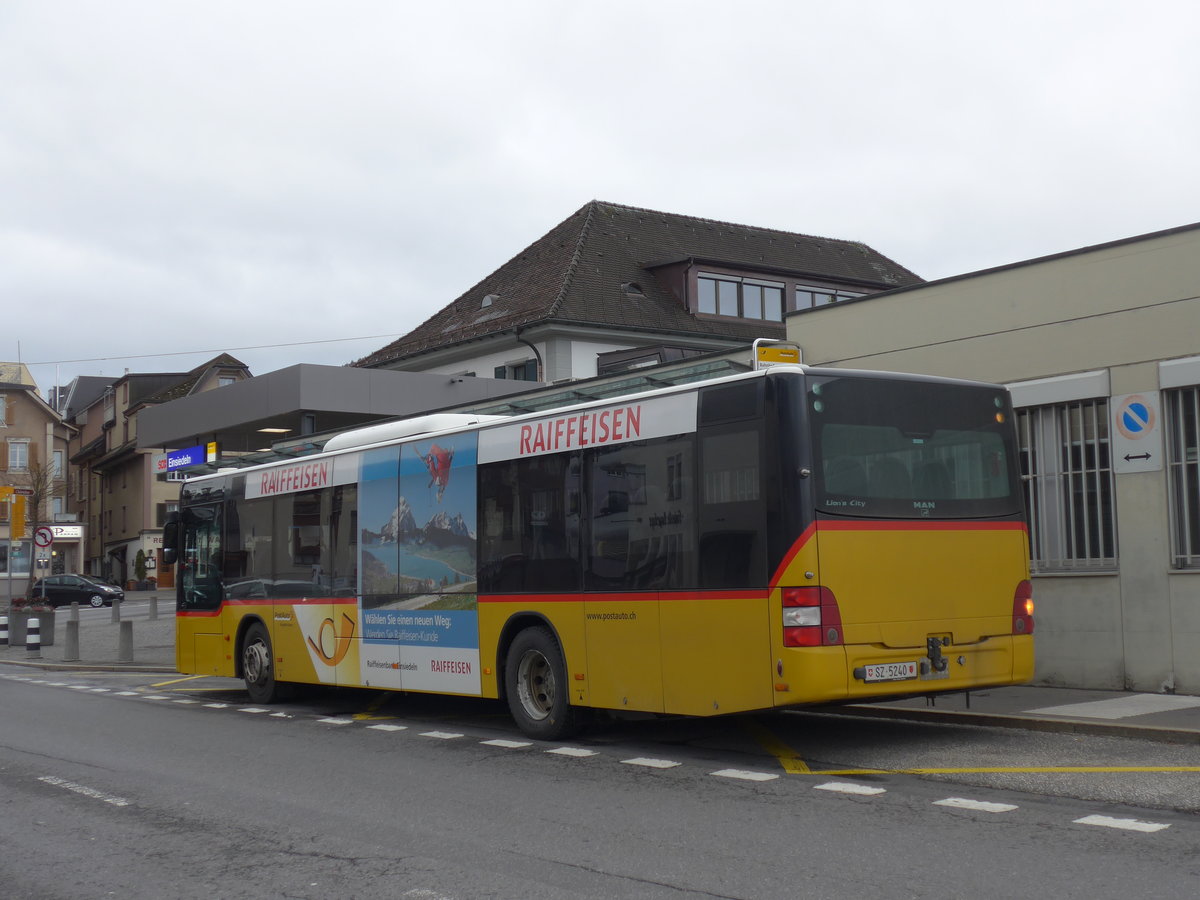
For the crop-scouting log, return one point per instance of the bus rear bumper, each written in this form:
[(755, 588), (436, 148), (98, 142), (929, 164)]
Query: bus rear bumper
[(865, 672)]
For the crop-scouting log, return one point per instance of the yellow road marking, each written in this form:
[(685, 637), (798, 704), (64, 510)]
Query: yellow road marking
[(177, 681), (1010, 770), (370, 713), (791, 762)]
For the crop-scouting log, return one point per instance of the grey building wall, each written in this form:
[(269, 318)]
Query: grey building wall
[(1108, 320)]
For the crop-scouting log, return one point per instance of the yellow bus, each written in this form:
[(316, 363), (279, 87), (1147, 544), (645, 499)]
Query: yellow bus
[(771, 539)]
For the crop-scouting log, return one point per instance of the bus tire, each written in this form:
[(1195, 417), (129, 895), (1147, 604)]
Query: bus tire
[(535, 681), (258, 668)]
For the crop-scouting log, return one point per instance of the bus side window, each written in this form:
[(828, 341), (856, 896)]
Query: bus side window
[(732, 513)]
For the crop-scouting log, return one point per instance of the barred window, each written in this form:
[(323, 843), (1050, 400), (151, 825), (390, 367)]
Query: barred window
[(1067, 470), (1182, 408)]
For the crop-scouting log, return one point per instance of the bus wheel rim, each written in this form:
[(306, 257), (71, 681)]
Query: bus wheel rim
[(256, 662), (535, 685)]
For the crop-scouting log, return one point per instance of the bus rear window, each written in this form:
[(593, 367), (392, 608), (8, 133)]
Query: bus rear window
[(912, 449)]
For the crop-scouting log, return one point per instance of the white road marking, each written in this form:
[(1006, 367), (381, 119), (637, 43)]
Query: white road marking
[(127, 693), (155, 697), (441, 735), (333, 720), (216, 705), (1125, 824), (651, 763), (507, 745), (85, 791), (977, 805), (578, 752), (388, 727), (744, 775), (846, 787), (253, 709)]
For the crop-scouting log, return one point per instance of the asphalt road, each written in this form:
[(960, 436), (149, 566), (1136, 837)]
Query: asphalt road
[(165, 787)]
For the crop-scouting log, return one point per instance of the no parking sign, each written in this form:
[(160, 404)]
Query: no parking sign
[(1136, 436)]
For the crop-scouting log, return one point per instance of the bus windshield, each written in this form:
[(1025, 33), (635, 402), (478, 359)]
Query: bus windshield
[(909, 449)]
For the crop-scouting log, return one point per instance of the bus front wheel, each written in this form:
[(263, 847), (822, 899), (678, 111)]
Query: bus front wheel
[(258, 670), (535, 681)]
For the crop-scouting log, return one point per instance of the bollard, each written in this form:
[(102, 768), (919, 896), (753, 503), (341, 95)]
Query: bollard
[(71, 650), (154, 606), (116, 610), (3, 631), (33, 639), (74, 616), (125, 642)]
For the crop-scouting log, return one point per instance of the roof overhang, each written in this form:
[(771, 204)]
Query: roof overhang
[(340, 397)]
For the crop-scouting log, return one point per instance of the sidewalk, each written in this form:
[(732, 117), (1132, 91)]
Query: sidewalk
[(99, 638), (1163, 717)]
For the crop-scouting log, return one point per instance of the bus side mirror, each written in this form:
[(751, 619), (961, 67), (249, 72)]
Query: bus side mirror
[(170, 539)]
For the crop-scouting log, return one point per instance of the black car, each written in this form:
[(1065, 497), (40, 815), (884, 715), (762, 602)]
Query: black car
[(63, 590)]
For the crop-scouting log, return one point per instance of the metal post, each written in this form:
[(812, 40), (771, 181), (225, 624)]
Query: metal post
[(154, 606), (71, 650), (3, 631), (33, 638), (74, 616), (125, 642), (116, 610)]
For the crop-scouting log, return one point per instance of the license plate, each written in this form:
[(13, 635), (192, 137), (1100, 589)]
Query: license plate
[(900, 671)]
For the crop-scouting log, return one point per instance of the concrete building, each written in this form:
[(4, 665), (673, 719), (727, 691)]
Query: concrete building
[(119, 491), (1100, 348), (33, 463)]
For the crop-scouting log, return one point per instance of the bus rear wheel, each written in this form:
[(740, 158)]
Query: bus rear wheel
[(258, 670), (535, 681)]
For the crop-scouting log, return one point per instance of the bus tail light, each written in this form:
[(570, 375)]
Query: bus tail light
[(1023, 609), (811, 618)]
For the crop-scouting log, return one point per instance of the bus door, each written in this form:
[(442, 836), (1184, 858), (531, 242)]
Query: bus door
[(200, 591), (315, 617)]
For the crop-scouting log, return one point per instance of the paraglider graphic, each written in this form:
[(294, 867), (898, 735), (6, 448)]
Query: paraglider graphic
[(438, 461)]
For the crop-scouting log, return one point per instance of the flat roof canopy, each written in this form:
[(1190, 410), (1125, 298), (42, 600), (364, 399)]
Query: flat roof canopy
[(338, 397)]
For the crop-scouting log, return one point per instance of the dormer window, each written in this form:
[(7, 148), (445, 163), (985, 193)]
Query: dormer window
[(808, 296), (743, 298), (489, 300)]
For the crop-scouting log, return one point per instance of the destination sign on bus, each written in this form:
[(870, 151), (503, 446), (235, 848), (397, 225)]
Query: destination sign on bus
[(630, 421)]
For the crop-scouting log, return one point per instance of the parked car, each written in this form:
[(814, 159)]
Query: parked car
[(63, 590)]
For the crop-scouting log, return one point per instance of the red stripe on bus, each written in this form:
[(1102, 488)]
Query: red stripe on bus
[(917, 525), (633, 597), (268, 601)]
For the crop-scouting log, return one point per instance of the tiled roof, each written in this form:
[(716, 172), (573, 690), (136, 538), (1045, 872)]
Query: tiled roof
[(574, 274), (188, 381)]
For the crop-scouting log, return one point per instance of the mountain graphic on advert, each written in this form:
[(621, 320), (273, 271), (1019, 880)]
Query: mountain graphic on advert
[(455, 524), (401, 524)]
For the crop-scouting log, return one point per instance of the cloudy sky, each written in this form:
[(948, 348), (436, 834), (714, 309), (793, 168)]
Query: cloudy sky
[(301, 182)]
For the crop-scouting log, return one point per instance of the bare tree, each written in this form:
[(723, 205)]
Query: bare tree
[(43, 483)]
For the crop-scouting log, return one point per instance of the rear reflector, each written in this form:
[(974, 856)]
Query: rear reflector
[(1023, 609), (811, 617)]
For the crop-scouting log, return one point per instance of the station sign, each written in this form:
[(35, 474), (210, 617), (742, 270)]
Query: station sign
[(191, 456)]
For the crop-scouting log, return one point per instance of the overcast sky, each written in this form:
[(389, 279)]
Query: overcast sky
[(181, 179)]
